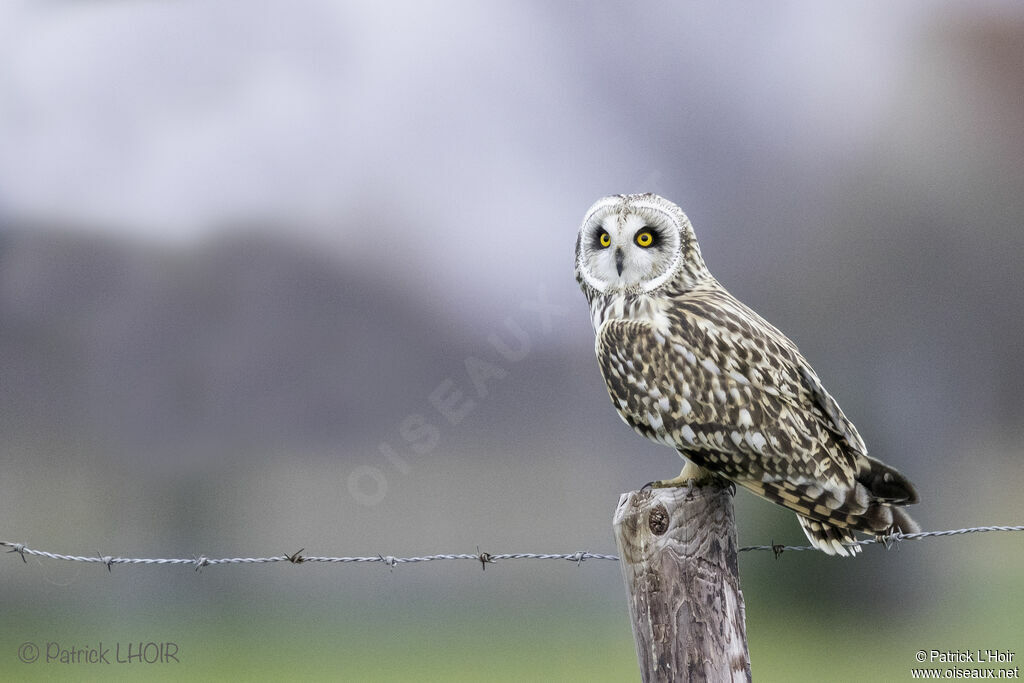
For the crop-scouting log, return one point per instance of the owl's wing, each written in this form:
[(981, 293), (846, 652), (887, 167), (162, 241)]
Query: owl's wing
[(838, 422), (732, 394)]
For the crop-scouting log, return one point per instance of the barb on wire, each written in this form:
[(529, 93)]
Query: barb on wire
[(484, 558)]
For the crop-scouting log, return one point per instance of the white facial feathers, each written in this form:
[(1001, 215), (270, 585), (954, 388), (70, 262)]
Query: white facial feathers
[(634, 244)]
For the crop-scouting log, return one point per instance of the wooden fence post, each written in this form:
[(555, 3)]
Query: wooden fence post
[(678, 557)]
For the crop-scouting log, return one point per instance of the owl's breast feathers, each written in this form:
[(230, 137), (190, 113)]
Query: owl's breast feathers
[(730, 392)]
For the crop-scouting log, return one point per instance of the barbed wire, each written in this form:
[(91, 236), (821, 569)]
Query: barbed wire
[(889, 540), (483, 558)]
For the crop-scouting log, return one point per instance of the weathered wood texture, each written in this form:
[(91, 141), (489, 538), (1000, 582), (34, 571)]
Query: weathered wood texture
[(678, 550)]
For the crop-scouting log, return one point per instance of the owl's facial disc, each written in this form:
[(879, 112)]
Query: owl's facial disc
[(628, 251)]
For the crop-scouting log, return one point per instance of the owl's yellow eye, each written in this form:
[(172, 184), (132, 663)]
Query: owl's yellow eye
[(605, 239), (644, 238)]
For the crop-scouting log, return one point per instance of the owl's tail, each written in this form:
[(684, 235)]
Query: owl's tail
[(829, 538), (873, 506), (833, 539)]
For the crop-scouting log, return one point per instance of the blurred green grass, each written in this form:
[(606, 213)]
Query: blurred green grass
[(787, 643), (366, 647)]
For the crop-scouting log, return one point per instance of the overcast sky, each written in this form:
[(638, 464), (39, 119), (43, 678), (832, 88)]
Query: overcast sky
[(169, 118), (439, 140)]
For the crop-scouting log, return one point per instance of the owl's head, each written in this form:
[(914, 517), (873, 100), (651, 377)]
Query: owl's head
[(636, 243)]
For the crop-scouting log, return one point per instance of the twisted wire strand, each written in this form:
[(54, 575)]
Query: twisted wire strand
[(483, 558)]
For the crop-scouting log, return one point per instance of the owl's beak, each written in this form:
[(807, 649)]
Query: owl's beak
[(618, 260)]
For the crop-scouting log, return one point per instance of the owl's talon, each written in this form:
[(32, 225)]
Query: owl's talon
[(690, 476), (661, 484), (674, 483)]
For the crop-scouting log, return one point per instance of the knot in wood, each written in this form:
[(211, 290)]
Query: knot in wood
[(657, 519)]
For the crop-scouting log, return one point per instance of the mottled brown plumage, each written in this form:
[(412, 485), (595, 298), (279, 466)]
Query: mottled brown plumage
[(689, 366)]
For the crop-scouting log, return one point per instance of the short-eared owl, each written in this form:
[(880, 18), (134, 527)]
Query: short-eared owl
[(690, 367)]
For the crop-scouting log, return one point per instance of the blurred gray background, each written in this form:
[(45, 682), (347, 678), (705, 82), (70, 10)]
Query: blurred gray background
[(246, 252)]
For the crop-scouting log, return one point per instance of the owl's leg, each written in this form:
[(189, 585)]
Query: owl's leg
[(692, 475)]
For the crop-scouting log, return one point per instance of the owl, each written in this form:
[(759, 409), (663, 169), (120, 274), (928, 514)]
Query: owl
[(689, 366)]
